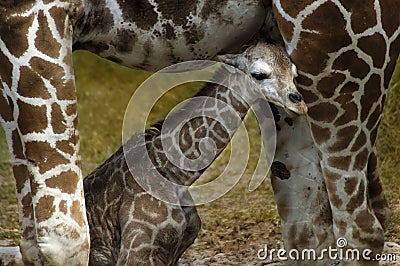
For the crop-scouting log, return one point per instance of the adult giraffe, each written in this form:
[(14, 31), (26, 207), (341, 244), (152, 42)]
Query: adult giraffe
[(346, 53), (38, 102)]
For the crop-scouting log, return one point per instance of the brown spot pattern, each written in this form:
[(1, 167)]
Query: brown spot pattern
[(334, 199), (67, 92), (27, 207), (327, 85), (349, 60), (45, 42), (390, 13), (279, 170), (17, 145), (177, 11), (58, 122), (5, 70), (285, 27), (44, 156), (349, 87), (13, 34), (49, 71), (313, 48), (140, 12), (303, 80), (365, 220), (344, 98), (320, 134), (63, 206), (342, 162), (169, 31), (350, 114), (31, 118), (21, 176), (344, 137), (77, 214), (61, 14), (193, 35), (167, 237), (361, 16), (140, 235), (369, 43), (372, 93), (359, 142), (177, 215), (5, 108), (44, 208), (66, 182), (145, 209), (308, 96), (350, 185), (324, 111), (65, 146), (294, 7), (31, 85), (361, 159), (374, 118)]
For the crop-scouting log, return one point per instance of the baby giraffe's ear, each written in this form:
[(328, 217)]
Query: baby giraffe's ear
[(235, 60), (230, 59)]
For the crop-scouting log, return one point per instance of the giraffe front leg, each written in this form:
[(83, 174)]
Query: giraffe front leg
[(300, 193), (355, 194), (375, 192), (354, 219), (52, 164), (39, 112)]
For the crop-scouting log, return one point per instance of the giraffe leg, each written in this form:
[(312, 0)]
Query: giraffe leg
[(299, 190), (151, 231), (38, 110), (28, 242), (193, 225), (375, 192)]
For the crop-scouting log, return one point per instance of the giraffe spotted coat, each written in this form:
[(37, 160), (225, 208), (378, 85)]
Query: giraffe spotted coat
[(128, 226)]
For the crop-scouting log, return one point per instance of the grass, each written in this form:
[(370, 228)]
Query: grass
[(388, 145), (240, 217)]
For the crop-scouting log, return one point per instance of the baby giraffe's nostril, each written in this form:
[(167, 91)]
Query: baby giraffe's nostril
[(295, 97)]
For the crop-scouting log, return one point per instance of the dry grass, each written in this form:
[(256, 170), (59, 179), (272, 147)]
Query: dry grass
[(389, 153), (240, 218)]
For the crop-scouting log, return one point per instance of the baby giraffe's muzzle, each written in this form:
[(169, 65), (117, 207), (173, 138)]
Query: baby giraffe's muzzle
[(297, 104)]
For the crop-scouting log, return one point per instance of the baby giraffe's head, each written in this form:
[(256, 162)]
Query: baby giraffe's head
[(272, 69)]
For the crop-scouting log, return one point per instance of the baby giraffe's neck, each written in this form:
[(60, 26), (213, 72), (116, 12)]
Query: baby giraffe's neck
[(200, 139)]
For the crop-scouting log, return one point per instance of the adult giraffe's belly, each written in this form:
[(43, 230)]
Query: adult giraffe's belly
[(152, 34)]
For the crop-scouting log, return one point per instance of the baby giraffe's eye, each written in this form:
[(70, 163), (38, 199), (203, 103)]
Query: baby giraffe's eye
[(259, 76)]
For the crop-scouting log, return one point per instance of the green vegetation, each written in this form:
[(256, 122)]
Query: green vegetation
[(389, 153), (240, 217)]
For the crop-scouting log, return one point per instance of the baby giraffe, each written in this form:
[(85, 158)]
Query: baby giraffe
[(130, 227)]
